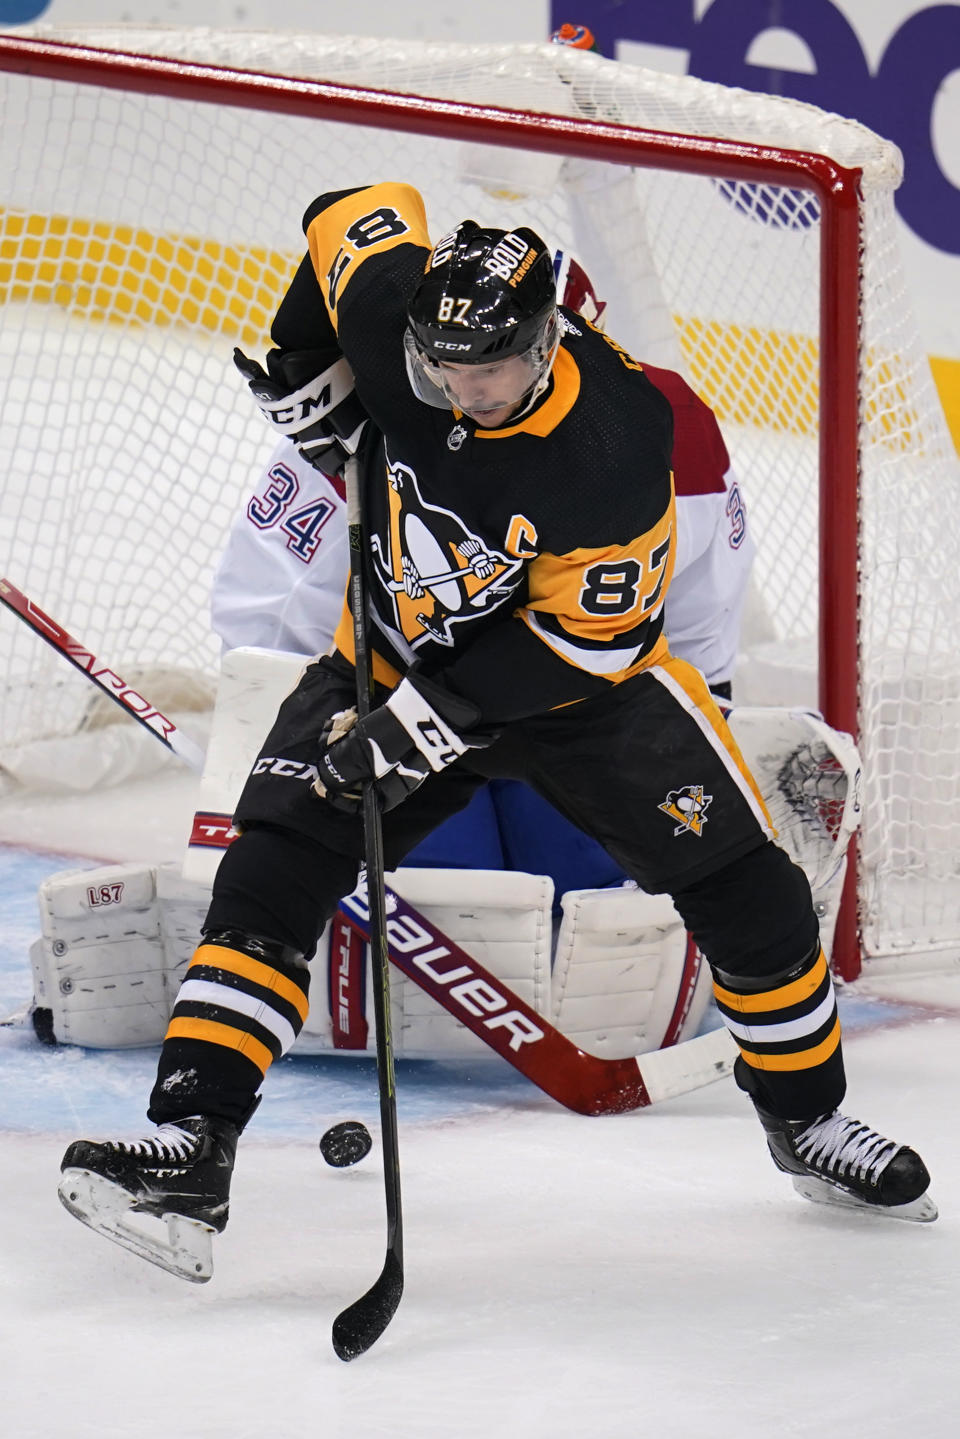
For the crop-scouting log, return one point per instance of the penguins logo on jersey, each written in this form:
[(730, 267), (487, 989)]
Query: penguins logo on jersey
[(689, 807), (437, 571)]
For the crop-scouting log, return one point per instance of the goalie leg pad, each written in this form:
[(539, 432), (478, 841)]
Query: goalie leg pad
[(626, 979), (100, 967)]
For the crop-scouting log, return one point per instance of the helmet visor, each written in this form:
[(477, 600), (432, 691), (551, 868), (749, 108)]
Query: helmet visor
[(481, 389)]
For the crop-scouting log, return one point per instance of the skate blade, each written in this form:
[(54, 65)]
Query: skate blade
[(918, 1211), (180, 1246)]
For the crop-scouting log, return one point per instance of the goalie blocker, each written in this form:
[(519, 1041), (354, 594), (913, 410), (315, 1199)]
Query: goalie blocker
[(620, 979)]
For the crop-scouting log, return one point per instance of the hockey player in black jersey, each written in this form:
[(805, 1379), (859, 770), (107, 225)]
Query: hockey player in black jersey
[(519, 507)]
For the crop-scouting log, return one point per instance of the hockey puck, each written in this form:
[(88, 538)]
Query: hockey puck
[(345, 1144)]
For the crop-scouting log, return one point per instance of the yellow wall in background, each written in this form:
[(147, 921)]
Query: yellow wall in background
[(946, 377), (117, 273)]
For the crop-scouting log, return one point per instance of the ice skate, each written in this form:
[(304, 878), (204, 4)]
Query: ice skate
[(163, 1197), (837, 1160)]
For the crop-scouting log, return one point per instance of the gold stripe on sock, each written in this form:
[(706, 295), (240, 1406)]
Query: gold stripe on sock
[(234, 961), (212, 1032), (800, 1059), (768, 1000)]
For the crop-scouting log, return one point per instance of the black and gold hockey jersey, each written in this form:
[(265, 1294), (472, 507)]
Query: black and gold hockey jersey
[(526, 565)]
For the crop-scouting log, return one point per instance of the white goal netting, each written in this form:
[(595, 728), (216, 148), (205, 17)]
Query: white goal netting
[(141, 237)]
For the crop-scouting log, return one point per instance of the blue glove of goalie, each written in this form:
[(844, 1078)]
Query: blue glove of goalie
[(317, 408), (397, 745)]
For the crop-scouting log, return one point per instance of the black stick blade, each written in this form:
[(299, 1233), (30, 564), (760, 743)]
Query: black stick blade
[(360, 1326)]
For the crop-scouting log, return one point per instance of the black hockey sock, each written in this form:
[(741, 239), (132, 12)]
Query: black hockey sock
[(788, 1033), (242, 1004)]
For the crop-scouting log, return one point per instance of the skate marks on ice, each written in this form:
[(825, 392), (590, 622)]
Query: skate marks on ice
[(566, 1276)]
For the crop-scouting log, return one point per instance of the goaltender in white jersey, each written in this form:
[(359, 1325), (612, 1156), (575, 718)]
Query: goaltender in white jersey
[(620, 977), (280, 587)]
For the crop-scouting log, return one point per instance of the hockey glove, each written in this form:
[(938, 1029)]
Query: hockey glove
[(317, 409), (397, 745)]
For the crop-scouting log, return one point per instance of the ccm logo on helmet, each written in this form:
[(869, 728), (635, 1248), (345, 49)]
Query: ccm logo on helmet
[(510, 258), (451, 345)]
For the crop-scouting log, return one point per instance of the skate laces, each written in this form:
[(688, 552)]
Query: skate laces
[(843, 1146), (169, 1143)]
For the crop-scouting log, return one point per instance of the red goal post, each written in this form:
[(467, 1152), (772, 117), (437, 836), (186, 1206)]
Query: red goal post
[(723, 146)]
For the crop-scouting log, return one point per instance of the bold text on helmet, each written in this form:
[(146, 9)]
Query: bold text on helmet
[(506, 255), (443, 249)]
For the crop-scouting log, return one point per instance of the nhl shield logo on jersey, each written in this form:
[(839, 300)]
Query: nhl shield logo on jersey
[(437, 572), (689, 807)]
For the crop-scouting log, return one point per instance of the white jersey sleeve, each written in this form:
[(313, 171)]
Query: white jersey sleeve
[(704, 606), (705, 601), (281, 580)]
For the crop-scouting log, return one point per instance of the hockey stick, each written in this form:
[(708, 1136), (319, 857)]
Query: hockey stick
[(426, 580), (102, 676), (492, 1011), (362, 1323), (582, 1082)]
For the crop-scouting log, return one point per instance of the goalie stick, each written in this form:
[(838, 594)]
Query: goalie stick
[(102, 676), (580, 1081)]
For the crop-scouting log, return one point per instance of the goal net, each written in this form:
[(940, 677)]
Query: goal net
[(149, 221)]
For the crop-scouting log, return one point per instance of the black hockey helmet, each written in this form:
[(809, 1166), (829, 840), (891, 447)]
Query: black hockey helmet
[(487, 295)]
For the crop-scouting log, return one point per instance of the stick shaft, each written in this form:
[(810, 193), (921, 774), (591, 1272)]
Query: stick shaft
[(360, 1325), (373, 853), (100, 674)]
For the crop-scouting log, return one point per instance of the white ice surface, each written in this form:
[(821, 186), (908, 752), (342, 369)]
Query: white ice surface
[(645, 1275)]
